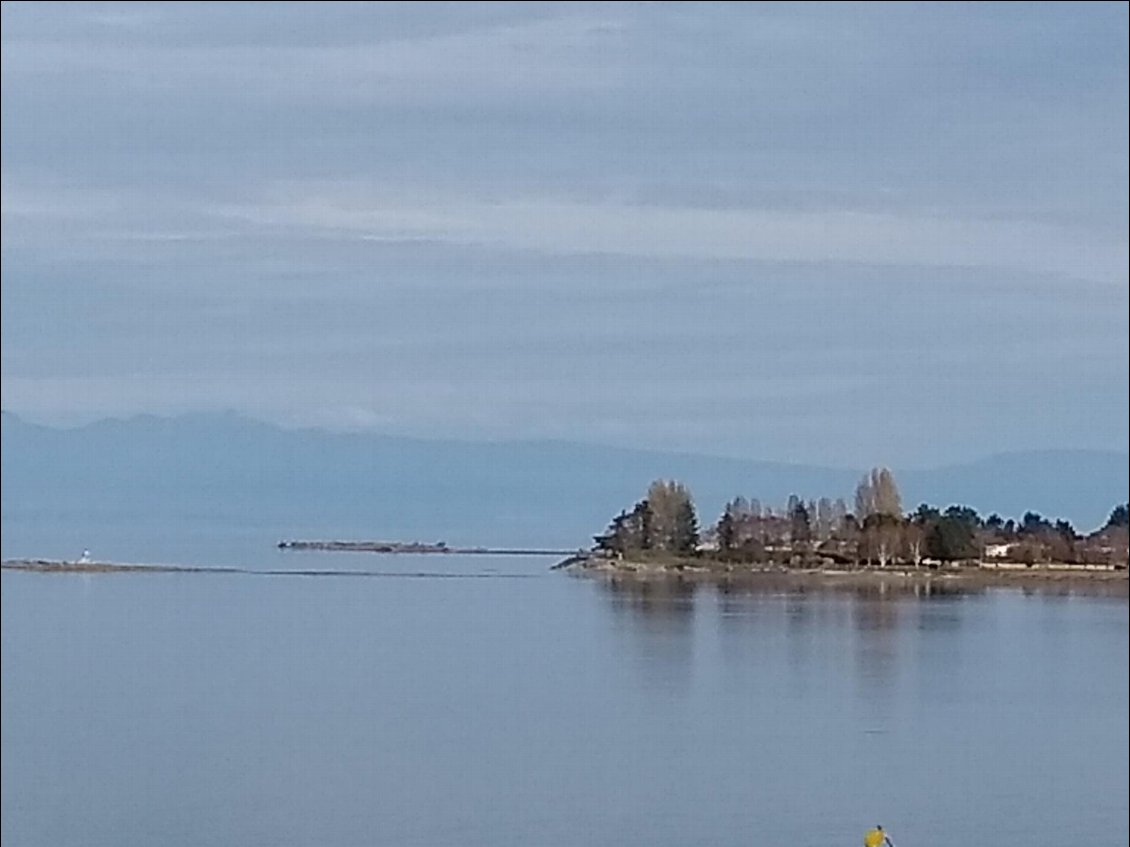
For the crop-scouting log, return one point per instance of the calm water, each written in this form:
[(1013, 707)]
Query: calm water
[(520, 707)]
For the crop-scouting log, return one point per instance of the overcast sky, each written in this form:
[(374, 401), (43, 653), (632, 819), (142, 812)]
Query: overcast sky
[(839, 234)]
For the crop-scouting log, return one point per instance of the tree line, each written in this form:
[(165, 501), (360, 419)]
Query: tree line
[(875, 531)]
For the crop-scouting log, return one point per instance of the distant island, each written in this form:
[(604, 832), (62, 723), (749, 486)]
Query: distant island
[(368, 546), (88, 566), (415, 547), (660, 535)]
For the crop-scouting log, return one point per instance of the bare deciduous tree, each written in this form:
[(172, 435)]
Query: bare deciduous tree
[(674, 525), (877, 494)]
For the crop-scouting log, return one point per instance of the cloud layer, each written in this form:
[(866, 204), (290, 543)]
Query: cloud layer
[(812, 233)]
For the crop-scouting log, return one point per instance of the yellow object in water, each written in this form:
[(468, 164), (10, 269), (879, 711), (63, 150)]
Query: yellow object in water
[(875, 837)]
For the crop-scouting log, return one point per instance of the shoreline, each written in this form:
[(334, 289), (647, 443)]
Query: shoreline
[(707, 572), (63, 566)]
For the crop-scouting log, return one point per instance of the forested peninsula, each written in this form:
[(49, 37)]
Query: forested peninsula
[(662, 534)]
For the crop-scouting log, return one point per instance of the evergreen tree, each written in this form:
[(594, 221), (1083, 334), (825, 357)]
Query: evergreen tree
[(1033, 523), (629, 532), (800, 523), (1119, 517), (952, 537), (1065, 529), (641, 526), (686, 527), (614, 539), (727, 530)]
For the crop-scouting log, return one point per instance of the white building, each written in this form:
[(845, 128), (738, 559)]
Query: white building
[(998, 551)]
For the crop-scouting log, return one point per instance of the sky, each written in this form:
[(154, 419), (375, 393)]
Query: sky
[(835, 234)]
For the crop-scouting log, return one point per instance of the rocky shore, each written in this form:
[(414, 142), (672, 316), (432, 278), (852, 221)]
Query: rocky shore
[(63, 566), (706, 570)]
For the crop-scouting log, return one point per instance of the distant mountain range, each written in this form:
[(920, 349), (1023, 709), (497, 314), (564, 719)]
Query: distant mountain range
[(230, 470)]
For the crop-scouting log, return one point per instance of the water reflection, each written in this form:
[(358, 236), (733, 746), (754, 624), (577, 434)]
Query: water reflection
[(665, 605), (1113, 588), (658, 618), (729, 589), (875, 617), (882, 640), (780, 620)]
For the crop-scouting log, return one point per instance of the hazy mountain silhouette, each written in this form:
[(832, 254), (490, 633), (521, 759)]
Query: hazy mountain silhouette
[(231, 470)]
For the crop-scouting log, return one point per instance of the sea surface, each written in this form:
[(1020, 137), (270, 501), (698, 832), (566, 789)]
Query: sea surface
[(449, 700)]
